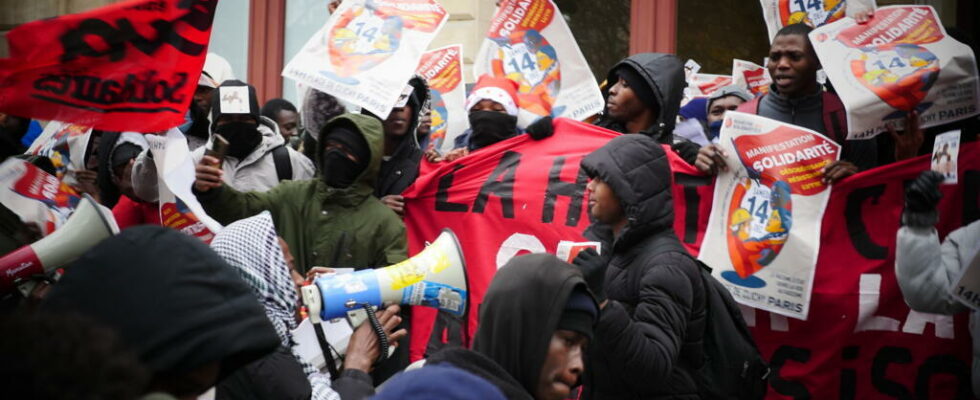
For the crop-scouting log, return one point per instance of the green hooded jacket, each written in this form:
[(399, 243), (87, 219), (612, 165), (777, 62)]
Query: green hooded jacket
[(314, 218)]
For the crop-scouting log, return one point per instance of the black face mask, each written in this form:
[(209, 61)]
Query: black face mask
[(490, 127), (242, 137), (338, 170)]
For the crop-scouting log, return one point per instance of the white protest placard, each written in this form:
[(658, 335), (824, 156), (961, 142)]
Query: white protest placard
[(360, 55), (750, 76), (36, 196), (764, 226), (967, 288), (945, 153), (901, 61), (706, 84), (530, 43), (443, 69), (65, 145), (779, 13), (179, 208)]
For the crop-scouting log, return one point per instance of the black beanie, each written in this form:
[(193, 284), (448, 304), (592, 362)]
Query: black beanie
[(351, 139), (639, 85), (216, 101), (580, 313)]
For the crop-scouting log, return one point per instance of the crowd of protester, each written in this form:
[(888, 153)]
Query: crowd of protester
[(152, 313)]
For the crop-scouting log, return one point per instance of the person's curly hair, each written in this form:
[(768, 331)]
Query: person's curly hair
[(58, 356)]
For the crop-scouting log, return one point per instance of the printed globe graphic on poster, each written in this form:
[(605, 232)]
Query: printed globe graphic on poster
[(527, 58), (363, 38)]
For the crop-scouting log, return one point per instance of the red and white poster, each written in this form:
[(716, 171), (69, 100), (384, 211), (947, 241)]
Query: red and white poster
[(514, 197), (443, 69), (130, 66), (360, 55), (752, 77), (901, 61), (179, 208), (36, 196), (530, 43), (65, 145), (706, 84), (779, 13), (768, 206)]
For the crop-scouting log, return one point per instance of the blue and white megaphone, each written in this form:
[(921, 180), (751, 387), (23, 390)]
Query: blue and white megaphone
[(436, 277)]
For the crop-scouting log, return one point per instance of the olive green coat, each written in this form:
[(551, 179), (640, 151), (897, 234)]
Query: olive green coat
[(314, 218)]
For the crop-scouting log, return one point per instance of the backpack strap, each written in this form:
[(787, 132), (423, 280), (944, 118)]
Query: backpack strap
[(751, 106), (284, 168), (834, 118)]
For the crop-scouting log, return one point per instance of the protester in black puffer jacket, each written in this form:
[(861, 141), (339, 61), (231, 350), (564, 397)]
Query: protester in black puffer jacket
[(652, 325)]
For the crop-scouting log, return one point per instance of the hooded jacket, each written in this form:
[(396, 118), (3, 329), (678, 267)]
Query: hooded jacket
[(926, 270), (325, 226), (655, 318), (170, 298), (664, 73), (519, 314), (255, 172), (401, 169), (258, 170)]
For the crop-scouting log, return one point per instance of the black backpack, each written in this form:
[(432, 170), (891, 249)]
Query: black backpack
[(732, 366)]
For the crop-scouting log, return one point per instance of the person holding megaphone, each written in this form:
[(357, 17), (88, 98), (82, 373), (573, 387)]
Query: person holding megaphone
[(263, 261)]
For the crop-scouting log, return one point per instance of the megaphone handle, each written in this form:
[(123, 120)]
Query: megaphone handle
[(378, 330), (327, 351)]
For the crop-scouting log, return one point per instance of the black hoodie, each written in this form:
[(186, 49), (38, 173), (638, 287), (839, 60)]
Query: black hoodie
[(518, 316), (648, 338), (664, 74), (399, 171), (170, 298)]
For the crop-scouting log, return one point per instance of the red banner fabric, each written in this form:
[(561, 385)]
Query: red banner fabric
[(860, 339), (131, 66)]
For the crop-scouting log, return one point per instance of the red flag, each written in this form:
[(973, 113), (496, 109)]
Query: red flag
[(131, 66)]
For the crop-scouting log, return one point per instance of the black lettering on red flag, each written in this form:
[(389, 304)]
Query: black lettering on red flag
[(501, 184), (442, 193), (692, 203), (575, 191), (879, 371), (858, 232), (794, 389)]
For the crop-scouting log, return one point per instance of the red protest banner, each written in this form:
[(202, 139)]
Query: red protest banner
[(860, 340), (514, 197), (131, 66)]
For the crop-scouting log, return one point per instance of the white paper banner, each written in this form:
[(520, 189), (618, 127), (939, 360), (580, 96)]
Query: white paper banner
[(64, 144), (360, 55), (36, 196), (901, 61), (530, 43), (443, 69), (750, 76), (179, 208), (779, 13), (768, 207)]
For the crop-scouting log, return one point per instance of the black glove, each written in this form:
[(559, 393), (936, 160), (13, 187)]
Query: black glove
[(593, 269), (687, 149), (921, 199), (541, 128)]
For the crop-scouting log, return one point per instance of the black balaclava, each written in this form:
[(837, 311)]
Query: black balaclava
[(490, 127), (337, 169), (640, 86), (242, 137)]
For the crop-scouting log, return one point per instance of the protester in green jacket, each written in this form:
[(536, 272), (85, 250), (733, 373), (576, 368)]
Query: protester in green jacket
[(332, 220)]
